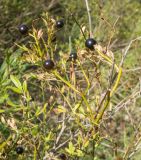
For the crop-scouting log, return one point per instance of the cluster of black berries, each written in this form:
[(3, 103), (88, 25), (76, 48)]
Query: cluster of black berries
[(23, 29), (49, 64)]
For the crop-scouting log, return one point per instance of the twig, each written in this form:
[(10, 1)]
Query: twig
[(62, 130), (89, 16), (125, 101), (62, 144), (112, 34), (71, 14), (101, 113), (127, 49), (133, 69), (78, 25), (100, 105), (70, 44)]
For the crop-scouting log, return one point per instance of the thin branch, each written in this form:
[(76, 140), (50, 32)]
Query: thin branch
[(62, 130), (89, 16), (78, 25), (75, 20), (127, 49)]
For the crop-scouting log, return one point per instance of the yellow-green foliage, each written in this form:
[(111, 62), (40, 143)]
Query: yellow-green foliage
[(85, 109)]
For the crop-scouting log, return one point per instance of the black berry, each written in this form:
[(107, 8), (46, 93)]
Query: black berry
[(23, 29), (59, 24), (49, 64), (90, 43), (73, 56), (19, 150)]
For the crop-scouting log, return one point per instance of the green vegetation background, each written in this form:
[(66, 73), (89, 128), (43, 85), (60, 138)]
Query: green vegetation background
[(127, 13)]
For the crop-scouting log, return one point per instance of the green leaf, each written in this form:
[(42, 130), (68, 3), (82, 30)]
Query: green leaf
[(3, 97), (38, 112), (3, 144), (60, 109), (71, 149), (76, 107), (35, 130), (10, 103), (4, 130), (25, 86), (35, 153), (16, 82), (2, 110), (17, 90), (49, 137), (79, 153)]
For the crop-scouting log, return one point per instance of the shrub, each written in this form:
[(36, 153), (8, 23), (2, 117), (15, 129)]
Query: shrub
[(59, 97)]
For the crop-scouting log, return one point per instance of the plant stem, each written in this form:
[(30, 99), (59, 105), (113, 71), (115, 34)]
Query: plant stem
[(89, 16), (100, 115), (78, 25), (93, 149)]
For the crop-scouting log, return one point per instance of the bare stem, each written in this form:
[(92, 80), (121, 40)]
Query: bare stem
[(78, 25), (89, 16), (127, 49)]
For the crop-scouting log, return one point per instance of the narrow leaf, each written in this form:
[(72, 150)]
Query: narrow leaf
[(16, 82)]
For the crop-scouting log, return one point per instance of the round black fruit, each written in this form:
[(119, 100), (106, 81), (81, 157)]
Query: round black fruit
[(19, 150), (59, 24), (90, 42), (48, 64), (73, 56), (23, 29)]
